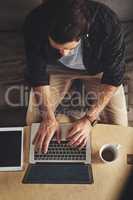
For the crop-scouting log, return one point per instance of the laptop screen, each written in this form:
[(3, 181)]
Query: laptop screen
[(10, 148)]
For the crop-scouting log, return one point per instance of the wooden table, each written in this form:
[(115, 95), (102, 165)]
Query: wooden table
[(108, 178)]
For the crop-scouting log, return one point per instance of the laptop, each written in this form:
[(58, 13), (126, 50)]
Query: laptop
[(61, 164), (11, 149)]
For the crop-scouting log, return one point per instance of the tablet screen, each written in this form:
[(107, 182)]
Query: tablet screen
[(10, 148)]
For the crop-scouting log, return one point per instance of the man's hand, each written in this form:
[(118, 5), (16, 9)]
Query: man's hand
[(79, 133), (46, 131)]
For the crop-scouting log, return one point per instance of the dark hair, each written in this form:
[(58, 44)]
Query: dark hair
[(68, 19)]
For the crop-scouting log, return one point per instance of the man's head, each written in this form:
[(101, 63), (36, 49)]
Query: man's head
[(68, 22), (65, 48)]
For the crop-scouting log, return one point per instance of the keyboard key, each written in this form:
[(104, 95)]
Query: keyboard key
[(61, 152)]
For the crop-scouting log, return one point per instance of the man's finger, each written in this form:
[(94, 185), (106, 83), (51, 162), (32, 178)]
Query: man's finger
[(40, 140), (72, 132), (58, 134), (79, 141), (83, 144), (74, 138), (36, 138), (47, 141)]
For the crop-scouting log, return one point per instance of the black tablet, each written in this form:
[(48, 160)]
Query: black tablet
[(11, 148)]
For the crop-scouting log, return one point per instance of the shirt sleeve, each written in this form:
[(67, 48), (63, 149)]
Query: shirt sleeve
[(35, 72), (114, 55)]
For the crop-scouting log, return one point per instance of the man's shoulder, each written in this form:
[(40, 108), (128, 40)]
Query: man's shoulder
[(101, 9), (104, 16), (37, 18)]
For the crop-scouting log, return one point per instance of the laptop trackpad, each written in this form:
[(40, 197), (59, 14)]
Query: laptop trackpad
[(59, 173)]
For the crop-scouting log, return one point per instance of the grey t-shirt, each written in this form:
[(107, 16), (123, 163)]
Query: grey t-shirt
[(74, 58)]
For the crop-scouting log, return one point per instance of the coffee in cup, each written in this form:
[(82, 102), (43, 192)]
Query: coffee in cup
[(109, 152)]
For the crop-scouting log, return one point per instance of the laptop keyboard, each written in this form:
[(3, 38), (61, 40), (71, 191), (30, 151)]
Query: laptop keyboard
[(61, 152)]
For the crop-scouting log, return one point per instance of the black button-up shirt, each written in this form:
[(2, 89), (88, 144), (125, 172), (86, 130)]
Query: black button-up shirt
[(103, 45)]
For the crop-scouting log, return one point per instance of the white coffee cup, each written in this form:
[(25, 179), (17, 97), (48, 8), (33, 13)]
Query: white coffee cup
[(109, 152)]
